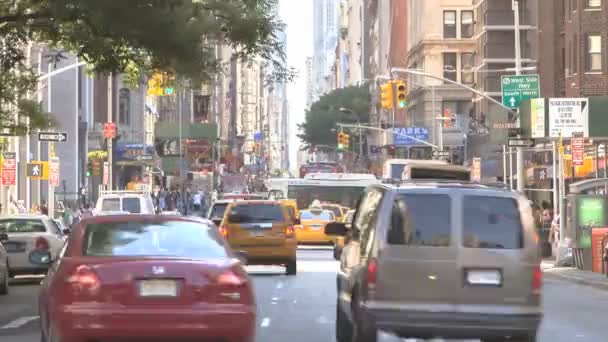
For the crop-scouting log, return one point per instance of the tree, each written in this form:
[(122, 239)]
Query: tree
[(320, 122), (136, 37)]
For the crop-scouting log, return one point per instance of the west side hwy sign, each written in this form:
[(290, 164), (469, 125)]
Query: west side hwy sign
[(53, 136), (516, 88)]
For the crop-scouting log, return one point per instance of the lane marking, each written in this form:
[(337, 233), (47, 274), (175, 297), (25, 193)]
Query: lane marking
[(280, 285), (265, 322), (19, 322)]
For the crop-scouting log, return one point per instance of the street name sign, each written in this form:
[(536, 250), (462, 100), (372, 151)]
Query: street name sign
[(521, 142), (516, 88), (53, 136)]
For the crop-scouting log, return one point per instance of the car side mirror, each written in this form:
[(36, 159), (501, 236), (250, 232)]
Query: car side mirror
[(38, 257), (335, 229), (3, 237)]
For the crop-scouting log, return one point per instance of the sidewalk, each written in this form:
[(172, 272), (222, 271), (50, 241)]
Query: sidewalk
[(595, 280)]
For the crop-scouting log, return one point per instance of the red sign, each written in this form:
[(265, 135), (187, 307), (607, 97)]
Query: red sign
[(109, 130), (9, 169), (106, 173), (54, 172), (578, 148)]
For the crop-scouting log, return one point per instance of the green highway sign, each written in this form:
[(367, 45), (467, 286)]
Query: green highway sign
[(516, 88)]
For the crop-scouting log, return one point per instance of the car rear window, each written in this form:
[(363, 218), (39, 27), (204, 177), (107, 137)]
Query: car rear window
[(16, 226), (333, 209), (218, 210), (131, 204), (254, 213), (110, 204), (181, 239), (491, 222), (421, 220)]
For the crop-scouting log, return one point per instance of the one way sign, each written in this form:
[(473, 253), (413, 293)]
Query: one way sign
[(53, 136)]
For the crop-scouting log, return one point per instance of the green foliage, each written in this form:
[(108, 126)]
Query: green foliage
[(136, 37), (323, 115)]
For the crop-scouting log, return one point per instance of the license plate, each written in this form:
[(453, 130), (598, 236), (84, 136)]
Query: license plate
[(477, 277), (14, 247), (158, 288), (257, 233)]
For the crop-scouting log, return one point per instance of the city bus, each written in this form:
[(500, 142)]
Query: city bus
[(339, 188)]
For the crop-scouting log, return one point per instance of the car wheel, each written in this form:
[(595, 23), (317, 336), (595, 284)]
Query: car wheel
[(291, 268), (4, 284), (343, 326), (362, 332)]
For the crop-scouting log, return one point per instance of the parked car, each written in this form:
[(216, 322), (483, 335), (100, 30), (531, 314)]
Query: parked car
[(28, 233), (4, 272), (150, 276), (433, 259)]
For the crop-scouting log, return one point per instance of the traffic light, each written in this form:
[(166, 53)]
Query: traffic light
[(89, 168), (155, 84), (386, 95), (401, 94), (341, 135), (346, 141)]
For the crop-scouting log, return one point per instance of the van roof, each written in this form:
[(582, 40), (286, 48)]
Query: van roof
[(444, 183)]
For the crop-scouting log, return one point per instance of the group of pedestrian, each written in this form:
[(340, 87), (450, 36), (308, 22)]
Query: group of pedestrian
[(184, 202)]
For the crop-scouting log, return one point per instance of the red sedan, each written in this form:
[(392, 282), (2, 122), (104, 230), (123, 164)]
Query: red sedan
[(145, 278)]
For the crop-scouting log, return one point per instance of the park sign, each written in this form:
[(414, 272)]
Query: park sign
[(516, 88)]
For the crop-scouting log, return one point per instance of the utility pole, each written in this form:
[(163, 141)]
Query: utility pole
[(110, 140), (521, 174)]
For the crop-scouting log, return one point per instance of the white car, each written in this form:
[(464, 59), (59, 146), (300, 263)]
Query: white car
[(27, 233), (124, 201)]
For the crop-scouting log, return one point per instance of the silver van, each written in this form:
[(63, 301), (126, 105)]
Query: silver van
[(439, 259)]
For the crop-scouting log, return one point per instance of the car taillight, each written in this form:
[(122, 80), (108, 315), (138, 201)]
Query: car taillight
[(290, 232), (537, 280), (42, 244), (232, 288), (224, 231), (372, 274), (84, 282)]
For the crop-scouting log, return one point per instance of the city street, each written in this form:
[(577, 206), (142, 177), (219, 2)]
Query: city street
[(302, 308)]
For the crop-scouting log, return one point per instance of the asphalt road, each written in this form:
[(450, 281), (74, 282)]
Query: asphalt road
[(302, 308)]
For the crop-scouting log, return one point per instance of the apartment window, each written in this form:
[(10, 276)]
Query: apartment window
[(594, 4), (466, 24), (575, 56), (594, 52), (124, 106), (449, 24), (466, 68), (449, 65)]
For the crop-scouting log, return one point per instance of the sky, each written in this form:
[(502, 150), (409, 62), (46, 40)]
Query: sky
[(297, 15)]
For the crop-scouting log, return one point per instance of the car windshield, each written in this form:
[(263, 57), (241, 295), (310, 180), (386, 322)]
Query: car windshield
[(17, 226), (253, 213), (323, 215), (183, 239)]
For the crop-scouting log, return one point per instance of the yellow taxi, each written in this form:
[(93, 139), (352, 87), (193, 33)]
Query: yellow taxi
[(264, 231), (341, 240), (312, 226), (337, 209), (292, 207)]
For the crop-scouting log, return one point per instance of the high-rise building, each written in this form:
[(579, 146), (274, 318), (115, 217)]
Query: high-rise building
[(325, 38), (309, 82)]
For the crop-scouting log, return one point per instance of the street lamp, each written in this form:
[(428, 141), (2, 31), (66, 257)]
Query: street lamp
[(350, 111)]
